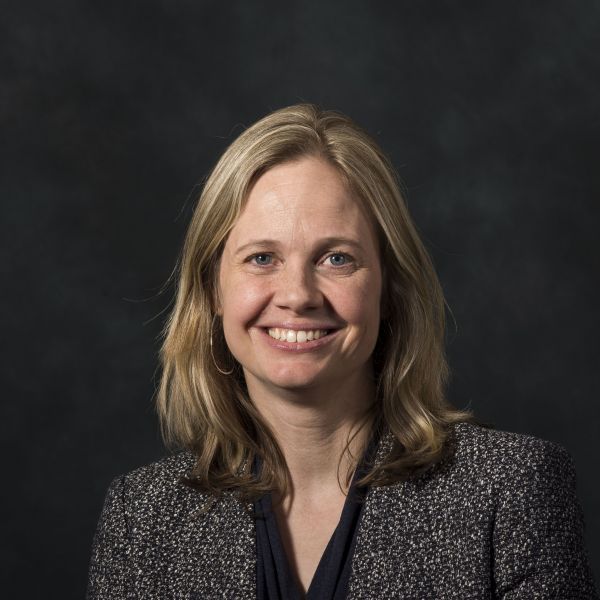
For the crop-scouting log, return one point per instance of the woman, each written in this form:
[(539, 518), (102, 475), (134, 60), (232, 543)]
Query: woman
[(303, 382)]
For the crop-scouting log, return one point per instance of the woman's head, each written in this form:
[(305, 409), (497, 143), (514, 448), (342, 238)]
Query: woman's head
[(208, 411), (299, 287)]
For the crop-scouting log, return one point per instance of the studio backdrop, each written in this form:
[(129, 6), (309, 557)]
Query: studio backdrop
[(113, 113)]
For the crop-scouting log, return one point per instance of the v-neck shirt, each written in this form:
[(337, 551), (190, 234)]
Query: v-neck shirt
[(274, 577)]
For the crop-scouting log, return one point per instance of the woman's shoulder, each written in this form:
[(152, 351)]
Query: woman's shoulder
[(506, 453), (167, 468), (155, 481), (474, 438)]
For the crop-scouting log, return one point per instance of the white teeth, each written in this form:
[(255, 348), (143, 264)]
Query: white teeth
[(291, 335)]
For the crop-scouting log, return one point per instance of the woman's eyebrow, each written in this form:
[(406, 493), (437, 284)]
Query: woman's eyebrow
[(254, 244), (331, 242), (322, 243)]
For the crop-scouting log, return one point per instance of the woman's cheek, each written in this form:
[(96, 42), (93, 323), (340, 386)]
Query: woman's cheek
[(248, 297)]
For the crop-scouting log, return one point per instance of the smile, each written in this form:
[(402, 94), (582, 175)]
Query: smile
[(320, 339), (298, 336)]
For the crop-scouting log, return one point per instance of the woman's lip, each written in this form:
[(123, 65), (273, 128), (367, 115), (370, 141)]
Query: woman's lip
[(298, 346), (296, 327)]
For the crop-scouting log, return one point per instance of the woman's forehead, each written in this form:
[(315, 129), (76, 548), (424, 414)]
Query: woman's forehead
[(303, 196)]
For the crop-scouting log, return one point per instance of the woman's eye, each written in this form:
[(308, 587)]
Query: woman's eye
[(338, 259), (261, 259)]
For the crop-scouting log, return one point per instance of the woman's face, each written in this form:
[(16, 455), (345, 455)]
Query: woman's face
[(300, 281)]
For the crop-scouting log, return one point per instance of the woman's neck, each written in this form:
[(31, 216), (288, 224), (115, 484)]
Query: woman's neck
[(312, 428)]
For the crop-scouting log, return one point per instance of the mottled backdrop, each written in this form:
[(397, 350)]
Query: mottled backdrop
[(113, 112)]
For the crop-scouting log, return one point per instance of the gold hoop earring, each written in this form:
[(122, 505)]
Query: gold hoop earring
[(212, 352)]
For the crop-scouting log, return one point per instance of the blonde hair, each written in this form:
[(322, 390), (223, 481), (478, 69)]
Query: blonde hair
[(210, 413)]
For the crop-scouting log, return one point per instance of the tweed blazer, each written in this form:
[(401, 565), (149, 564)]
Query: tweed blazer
[(498, 517)]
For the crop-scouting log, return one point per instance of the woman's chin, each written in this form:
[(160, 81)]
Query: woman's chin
[(292, 380)]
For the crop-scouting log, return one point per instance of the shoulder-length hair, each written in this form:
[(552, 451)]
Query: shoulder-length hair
[(209, 412)]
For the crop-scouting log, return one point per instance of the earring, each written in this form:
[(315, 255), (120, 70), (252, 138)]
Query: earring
[(212, 353)]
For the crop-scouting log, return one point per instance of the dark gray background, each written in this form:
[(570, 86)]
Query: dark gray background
[(112, 114)]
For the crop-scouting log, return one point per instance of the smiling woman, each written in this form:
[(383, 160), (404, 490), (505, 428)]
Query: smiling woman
[(303, 389)]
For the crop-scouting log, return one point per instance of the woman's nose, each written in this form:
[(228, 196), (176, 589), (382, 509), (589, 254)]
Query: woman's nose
[(297, 288)]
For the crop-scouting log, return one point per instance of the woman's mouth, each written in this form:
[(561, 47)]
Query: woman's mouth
[(298, 340), (297, 336)]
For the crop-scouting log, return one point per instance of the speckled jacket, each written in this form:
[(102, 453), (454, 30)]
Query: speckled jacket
[(498, 517)]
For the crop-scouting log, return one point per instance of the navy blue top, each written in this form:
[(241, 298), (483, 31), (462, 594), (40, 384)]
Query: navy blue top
[(274, 577)]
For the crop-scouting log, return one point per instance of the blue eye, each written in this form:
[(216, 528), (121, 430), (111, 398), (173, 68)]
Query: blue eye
[(262, 259), (338, 259)]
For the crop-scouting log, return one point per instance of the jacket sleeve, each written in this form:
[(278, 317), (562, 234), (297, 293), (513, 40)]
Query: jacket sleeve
[(538, 539), (108, 572)]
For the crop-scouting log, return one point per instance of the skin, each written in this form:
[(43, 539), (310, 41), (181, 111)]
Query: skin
[(282, 267)]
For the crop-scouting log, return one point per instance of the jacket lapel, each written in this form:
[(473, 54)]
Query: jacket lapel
[(223, 547), (370, 562)]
